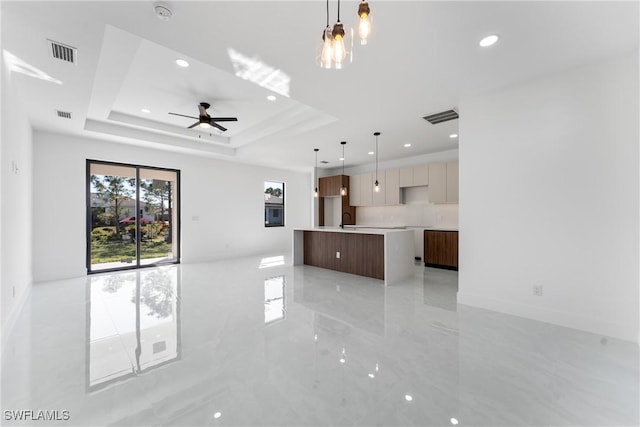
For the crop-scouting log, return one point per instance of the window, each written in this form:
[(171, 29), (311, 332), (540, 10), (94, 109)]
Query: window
[(273, 204)]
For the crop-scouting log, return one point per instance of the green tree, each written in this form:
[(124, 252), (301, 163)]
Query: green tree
[(268, 190), (114, 190), (155, 194), (277, 192)]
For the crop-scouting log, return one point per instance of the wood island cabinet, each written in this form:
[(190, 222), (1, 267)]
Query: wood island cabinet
[(441, 249)]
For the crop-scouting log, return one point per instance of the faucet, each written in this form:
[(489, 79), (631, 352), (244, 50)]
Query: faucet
[(342, 219)]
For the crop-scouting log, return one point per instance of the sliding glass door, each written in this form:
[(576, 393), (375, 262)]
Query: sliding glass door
[(132, 216)]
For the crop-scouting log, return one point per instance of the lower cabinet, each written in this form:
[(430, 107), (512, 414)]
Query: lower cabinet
[(361, 254), (441, 249)]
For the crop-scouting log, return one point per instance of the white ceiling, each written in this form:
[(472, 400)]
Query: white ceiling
[(423, 58)]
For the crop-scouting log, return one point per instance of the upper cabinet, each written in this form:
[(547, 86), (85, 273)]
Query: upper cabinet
[(330, 185), (355, 198), (452, 182), (441, 179), (443, 182), (414, 176), (392, 187)]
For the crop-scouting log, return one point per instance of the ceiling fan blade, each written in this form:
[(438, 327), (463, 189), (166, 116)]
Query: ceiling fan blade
[(224, 119), (193, 125), (182, 115), (218, 126)]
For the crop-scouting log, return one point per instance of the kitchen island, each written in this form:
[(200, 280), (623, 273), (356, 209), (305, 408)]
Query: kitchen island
[(380, 253)]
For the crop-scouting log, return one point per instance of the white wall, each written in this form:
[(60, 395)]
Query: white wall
[(16, 212), (549, 195), (222, 203)]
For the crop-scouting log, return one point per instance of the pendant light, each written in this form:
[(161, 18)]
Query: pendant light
[(343, 188), (364, 28), (339, 51), (315, 173), (376, 186), (326, 56)]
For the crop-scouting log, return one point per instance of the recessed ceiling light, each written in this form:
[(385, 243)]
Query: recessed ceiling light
[(407, 145), (182, 63), (217, 415), (454, 421), (408, 397), (371, 153), (341, 158), (453, 135), (489, 40), (145, 110), (271, 97)]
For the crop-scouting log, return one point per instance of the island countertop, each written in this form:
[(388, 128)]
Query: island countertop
[(355, 229)]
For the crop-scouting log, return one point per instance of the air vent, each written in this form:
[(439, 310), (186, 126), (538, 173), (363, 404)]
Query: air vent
[(324, 162), (63, 114), (63, 52), (444, 116)]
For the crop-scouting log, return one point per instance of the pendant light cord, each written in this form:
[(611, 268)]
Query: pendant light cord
[(327, 13), (338, 10)]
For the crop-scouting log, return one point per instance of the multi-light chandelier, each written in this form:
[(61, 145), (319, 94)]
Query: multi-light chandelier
[(334, 51)]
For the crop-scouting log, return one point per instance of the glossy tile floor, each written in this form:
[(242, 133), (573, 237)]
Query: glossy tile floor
[(254, 341)]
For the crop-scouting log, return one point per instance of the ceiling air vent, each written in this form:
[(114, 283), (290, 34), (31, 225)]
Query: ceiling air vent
[(63, 114), (63, 52), (444, 116), (324, 162)]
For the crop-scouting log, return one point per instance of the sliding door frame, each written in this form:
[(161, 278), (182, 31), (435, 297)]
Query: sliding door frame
[(176, 204)]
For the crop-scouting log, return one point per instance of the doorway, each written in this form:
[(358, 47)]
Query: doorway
[(133, 217)]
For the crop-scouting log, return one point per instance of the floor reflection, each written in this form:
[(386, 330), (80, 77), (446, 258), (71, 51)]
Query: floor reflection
[(133, 323)]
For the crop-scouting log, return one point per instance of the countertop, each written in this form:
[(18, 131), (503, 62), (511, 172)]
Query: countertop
[(357, 229)]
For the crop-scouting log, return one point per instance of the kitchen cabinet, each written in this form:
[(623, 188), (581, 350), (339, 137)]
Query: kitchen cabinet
[(366, 189), (392, 187), (441, 249), (438, 182), (379, 198), (355, 192), (452, 182), (414, 176), (330, 185), (443, 182)]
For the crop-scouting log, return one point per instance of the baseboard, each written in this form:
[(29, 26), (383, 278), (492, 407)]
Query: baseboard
[(9, 325), (569, 320)]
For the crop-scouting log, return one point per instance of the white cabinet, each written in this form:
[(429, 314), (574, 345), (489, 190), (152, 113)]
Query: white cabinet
[(414, 176), (366, 189), (421, 175), (438, 182), (443, 182), (379, 197), (392, 187), (406, 177), (452, 182), (354, 191)]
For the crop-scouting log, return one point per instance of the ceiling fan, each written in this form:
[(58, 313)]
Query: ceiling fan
[(205, 120)]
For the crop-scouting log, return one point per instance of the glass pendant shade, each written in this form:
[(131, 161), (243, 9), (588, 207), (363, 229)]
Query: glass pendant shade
[(339, 50), (364, 27), (326, 56)]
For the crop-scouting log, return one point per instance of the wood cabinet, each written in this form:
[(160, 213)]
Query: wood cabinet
[(330, 185), (414, 176), (441, 249), (361, 254)]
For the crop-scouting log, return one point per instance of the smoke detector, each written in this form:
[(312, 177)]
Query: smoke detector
[(162, 11)]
